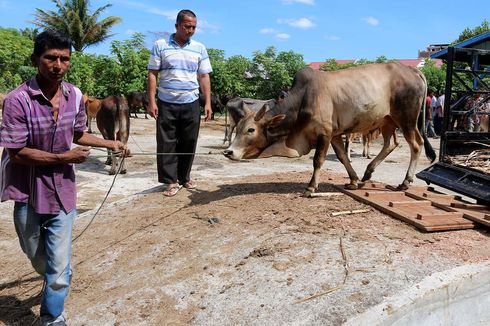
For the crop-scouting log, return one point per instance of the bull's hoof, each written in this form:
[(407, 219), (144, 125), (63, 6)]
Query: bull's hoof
[(310, 190), (366, 177), (307, 193), (350, 186), (402, 187), (123, 171), (112, 172), (108, 162)]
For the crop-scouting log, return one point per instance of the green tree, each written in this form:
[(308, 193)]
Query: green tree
[(15, 63), (82, 72), (381, 59), (125, 70), (109, 74), (132, 58), (332, 65), (468, 33), (220, 77), (293, 62), (238, 67), (270, 72), (30, 33), (435, 76), (74, 18)]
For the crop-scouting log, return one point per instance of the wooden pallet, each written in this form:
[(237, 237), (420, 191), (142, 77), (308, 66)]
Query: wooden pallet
[(413, 207), (477, 213)]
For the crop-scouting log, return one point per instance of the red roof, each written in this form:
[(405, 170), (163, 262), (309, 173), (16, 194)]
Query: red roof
[(408, 62)]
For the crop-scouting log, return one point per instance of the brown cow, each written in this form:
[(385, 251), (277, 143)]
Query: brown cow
[(92, 106), (237, 107), (113, 124), (322, 106), (137, 100)]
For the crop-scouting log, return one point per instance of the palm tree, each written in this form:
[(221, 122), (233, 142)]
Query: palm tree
[(73, 18)]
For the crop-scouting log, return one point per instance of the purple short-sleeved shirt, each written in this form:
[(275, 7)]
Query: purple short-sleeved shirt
[(28, 122)]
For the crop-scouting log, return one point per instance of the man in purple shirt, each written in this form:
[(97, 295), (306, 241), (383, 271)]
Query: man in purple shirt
[(41, 119)]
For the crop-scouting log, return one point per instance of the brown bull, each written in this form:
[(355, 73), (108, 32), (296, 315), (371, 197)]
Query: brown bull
[(92, 106), (113, 124), (236, 107), (136, 101), (322, 106)]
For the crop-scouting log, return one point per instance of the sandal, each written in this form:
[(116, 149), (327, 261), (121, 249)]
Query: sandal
[(190, 184), (172, 190)]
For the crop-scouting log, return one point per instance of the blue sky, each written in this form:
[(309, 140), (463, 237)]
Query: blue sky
[(317, 29)]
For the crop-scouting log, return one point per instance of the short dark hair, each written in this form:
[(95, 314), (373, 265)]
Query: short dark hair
[(183, 13), (51, 39)]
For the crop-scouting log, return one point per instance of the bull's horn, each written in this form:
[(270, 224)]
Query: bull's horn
[(245, 108), (261, 112)]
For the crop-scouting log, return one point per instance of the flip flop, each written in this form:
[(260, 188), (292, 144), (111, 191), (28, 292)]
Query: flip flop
[(172, 190), (190, 184)]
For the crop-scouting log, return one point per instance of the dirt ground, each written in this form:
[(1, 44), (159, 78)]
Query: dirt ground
[(243, 249)]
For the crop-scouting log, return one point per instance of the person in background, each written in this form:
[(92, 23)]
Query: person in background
[(439, 114), (181, 65), (41, 119), (429, 125), (472, 119), (436, 113)]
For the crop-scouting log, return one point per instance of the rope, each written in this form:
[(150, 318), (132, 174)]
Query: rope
[(25, 303), (134, 140), (156, 154), (107, 195), (102, 203)]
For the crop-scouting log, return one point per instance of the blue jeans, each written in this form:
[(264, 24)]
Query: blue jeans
[(46, 240)]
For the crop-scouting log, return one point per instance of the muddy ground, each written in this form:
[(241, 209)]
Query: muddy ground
[(244, 248)]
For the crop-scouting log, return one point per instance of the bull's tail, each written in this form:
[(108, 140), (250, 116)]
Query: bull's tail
[(117, 126), (429, 151)]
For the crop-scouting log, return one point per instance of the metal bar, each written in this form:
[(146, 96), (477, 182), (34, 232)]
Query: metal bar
[(483, 72), (447, 101)]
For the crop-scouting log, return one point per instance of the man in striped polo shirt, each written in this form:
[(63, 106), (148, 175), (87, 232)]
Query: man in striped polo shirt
[(182, 66)]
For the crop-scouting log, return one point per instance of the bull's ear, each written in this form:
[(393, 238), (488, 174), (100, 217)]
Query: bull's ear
[(245, 109), (259, 115), (276, 119)]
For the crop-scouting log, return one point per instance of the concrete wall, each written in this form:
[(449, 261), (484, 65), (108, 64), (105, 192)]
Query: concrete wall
[(458, 297)]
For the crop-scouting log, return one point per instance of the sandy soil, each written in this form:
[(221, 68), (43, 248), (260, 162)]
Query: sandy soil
[(244, 248)]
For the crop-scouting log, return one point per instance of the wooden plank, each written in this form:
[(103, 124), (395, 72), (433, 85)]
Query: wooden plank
[(409, 203), (392, 194), (469, 206), (420, 206), (444, 215), (471, 211)]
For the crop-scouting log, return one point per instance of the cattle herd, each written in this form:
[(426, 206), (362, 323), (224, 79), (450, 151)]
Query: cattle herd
[(321, 108)]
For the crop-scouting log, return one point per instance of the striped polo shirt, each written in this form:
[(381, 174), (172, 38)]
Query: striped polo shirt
[(28, 122), (178, 69)]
